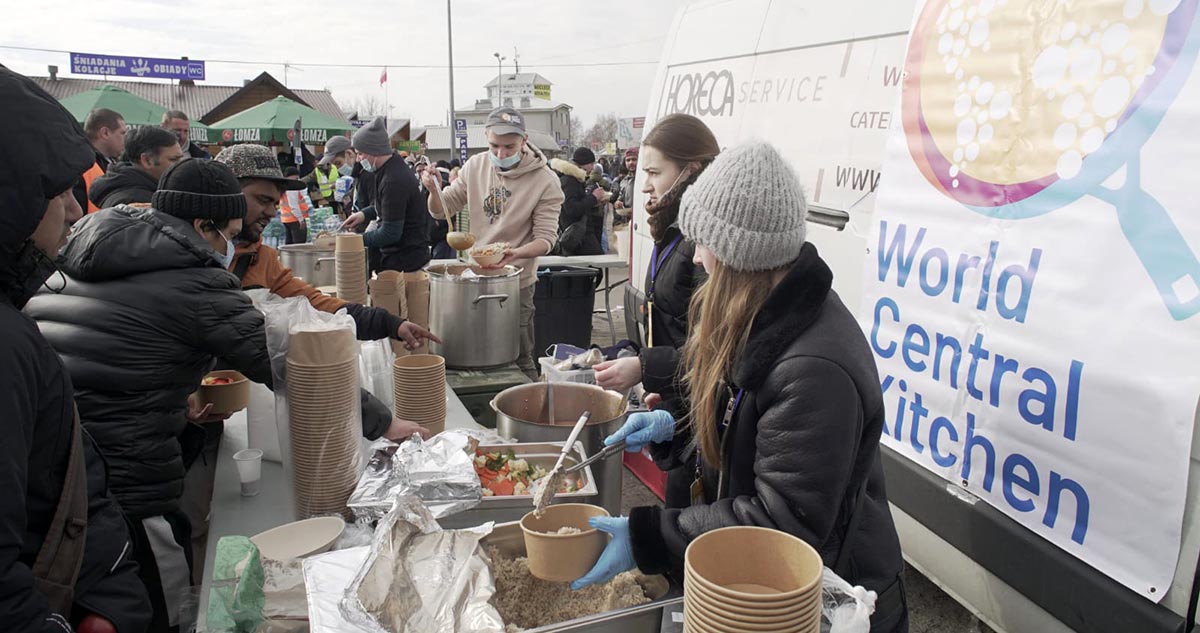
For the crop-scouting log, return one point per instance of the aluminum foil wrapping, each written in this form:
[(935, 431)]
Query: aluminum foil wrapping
[(439, 471), (419, 578)]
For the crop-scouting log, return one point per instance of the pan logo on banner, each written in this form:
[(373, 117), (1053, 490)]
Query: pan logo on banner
[(1031, 295)]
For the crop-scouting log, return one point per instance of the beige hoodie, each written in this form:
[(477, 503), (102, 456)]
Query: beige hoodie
[(516, 206)]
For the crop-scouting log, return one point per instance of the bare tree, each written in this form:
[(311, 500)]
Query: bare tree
[(576, 133), (603, 131), (366, 106)]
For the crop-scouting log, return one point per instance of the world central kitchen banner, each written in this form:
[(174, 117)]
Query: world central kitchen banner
[(1032, 292)]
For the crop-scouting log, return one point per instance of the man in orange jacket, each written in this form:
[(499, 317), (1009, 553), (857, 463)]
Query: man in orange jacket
[(258, 265)]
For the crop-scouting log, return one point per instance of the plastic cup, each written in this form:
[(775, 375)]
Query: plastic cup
[(249, 466)]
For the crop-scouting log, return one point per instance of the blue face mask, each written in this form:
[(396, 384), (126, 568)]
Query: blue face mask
[(346, 170), (505, 163), (366, 164), (226, 258)]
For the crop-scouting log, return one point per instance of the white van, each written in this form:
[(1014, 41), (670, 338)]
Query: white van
[(821, 80)]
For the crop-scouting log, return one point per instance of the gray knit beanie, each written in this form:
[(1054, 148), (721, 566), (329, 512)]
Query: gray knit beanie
[(373, 138), (747, 208)]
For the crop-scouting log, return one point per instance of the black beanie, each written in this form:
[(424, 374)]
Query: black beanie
[(583, 156), (200, 189)]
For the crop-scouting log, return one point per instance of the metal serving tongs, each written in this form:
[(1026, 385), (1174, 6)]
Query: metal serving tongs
[(547, 486), (604, 453)]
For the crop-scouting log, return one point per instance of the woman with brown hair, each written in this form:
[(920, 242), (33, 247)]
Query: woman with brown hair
[(672, 157), (785, 405)]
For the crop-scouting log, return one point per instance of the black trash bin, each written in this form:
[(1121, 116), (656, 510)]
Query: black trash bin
[(564, 299)]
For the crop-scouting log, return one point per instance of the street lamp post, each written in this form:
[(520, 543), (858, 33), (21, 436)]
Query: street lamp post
[(499, 79), (450, 54)]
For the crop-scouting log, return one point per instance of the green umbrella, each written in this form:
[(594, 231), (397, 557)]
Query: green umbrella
[(273, 122), (136, 111)]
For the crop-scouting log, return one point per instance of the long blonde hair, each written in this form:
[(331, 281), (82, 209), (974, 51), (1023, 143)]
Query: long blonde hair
[(721, 313)]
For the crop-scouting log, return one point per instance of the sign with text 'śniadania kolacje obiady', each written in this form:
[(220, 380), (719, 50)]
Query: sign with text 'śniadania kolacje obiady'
[(1032, 293), (144, 67)]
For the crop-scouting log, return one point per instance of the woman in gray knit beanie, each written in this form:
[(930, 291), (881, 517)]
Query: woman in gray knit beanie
[(784, 403)]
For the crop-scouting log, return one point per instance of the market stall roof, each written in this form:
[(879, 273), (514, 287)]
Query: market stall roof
[(201, 101), (273, 120), (136, 111)]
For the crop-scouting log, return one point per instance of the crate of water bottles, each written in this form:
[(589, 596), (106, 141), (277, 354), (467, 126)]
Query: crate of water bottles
[(564, 363)]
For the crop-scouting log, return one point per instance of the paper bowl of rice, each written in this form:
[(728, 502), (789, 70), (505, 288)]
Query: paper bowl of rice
[(489, 254)]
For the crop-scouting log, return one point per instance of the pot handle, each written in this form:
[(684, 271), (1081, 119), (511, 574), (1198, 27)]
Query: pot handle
[(500, 298), (317, 265)]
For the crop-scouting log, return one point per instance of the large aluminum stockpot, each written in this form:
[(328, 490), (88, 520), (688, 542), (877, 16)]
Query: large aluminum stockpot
[(523, 413), (316, 266), (477, 314)]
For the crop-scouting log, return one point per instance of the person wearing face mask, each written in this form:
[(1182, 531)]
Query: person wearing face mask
[(784, 402), (512, 196), (401, 242), (146, 310), (673, 156), (74, 575), (337, 162)]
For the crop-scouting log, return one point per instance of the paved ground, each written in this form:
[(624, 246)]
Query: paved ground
[(930, 609)]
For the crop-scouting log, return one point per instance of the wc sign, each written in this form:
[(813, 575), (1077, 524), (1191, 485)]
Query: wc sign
[(143, 67)]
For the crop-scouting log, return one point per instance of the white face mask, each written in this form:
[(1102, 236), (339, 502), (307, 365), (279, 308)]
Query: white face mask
[(226, 258), (366, 165), (346, 170), (505, 163)]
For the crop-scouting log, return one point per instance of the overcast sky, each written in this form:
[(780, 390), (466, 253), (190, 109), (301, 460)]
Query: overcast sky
[(374, 32)]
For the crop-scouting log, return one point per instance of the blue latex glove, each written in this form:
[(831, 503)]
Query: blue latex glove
[(617, 555), (644, 428)]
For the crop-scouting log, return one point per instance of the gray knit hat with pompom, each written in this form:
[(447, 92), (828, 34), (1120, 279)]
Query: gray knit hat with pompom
[(747, 208)]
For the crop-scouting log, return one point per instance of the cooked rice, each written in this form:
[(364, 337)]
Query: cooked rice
[(526, 602), (566, 529)]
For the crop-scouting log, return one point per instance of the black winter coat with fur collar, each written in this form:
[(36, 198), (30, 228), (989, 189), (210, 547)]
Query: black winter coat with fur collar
[(801, 443)]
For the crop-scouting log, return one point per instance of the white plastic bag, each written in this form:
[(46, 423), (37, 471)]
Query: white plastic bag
[(844, 607)]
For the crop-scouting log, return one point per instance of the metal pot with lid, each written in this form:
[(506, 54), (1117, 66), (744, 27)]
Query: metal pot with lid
[(312, 263), (524, 413), (477, 314)]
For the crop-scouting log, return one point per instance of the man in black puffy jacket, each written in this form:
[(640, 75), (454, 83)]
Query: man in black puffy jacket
[(148, 308), (38, 420), (145, 311)]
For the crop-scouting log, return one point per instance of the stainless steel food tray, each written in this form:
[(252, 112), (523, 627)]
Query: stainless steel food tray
[(513, 507), (666, 597)]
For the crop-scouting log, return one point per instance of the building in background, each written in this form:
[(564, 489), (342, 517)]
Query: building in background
[(548, 122)]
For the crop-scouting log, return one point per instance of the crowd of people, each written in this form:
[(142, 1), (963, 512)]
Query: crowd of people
[(766, 406)]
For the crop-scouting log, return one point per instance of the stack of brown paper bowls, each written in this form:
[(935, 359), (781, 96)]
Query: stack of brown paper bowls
[(322, 390), (420, 390), (740, 579), (416, 290), (387, 292), (351, 271)]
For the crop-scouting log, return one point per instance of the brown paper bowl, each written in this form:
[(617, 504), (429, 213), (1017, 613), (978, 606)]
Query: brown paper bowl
[(731, 607), (754, 555), (436, 427), (427, 362), (349, 242), (563, 557), (711, 622), (750, 615), (322, 347), (229, 398)]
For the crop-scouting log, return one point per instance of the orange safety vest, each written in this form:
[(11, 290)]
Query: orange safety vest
[(88, 177), (290, 201)]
